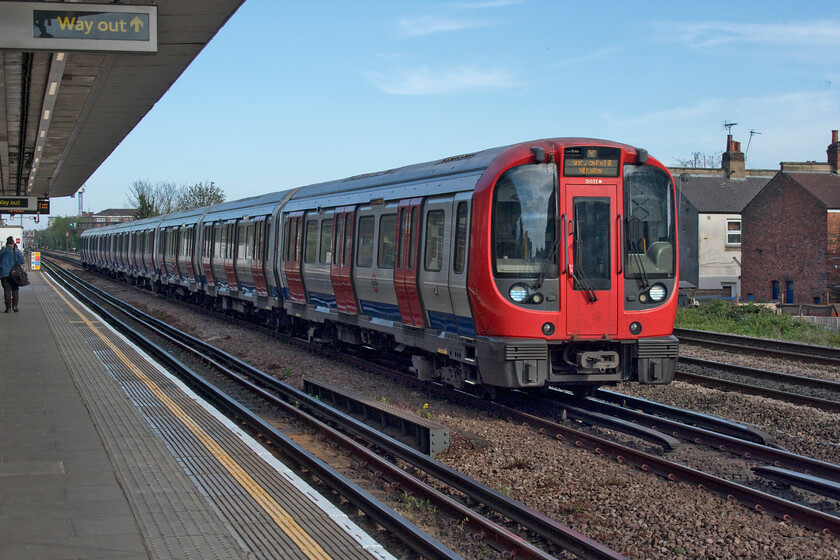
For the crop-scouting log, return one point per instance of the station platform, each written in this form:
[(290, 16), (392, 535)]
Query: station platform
[(103, 454)]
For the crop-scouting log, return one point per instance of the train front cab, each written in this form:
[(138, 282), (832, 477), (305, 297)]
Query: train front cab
[(575, 259)]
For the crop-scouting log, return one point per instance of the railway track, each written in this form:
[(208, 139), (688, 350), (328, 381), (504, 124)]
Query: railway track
[(754, 499), (343, 430), (785, 349), (796, 389)]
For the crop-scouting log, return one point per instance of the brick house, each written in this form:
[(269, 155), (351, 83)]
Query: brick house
[(711, 201), (791, 235)]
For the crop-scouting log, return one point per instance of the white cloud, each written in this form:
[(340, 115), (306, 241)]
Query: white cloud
[(442, 81), (428, 25), (714, 34)]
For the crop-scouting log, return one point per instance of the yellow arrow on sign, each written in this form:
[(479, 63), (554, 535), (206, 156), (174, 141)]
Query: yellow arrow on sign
[(136, 23)]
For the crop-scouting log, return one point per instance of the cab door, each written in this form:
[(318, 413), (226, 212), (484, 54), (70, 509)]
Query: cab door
[(590, 216)]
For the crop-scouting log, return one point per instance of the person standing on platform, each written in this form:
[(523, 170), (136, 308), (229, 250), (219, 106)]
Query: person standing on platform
[(9, 256)]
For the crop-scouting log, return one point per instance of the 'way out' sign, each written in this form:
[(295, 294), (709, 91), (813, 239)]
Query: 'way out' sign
[(57, 26)]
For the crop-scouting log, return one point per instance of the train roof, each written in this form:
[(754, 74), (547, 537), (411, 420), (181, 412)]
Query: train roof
[(449, 174), (185, 217), (262, 205)]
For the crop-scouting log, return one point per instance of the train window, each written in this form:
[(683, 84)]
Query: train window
[(221, 243), (242, 245), (649, 226), (433, 259), (413, 224), (591, 230), (364, 241), (339, 229), (348, 238), (460, 256), (326, 241), (208, 241), (249, 235), (310, 247), (387, 241), (400, 235), (524, 219), (231, 241)]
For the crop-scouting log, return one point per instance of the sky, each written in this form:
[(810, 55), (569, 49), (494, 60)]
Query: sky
[(295, 92)]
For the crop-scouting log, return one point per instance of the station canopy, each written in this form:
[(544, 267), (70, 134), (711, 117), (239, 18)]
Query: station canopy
[(78, 77)]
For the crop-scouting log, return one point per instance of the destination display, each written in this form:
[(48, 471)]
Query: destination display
[(595, 161)]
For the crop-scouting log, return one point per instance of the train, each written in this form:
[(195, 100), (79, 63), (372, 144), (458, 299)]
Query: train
[(527, 266)]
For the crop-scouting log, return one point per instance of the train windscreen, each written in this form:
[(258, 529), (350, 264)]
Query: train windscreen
[(649, 223), (524, 221)]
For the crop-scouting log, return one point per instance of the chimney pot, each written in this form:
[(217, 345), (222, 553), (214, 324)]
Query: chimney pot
[(833, 136)]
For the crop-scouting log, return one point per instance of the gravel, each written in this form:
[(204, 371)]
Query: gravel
[(638, 514)]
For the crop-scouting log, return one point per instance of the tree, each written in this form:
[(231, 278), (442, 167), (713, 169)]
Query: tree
[(201, 194), (59, 235), (145, 208), (700, 160), (142, 195)]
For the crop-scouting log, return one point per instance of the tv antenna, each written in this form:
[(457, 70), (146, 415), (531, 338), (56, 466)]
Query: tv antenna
[(753, 132), (728, 126)]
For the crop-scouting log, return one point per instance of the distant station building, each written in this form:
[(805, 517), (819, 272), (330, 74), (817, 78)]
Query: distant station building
[(111, 216), (791, 234), (711, 201)]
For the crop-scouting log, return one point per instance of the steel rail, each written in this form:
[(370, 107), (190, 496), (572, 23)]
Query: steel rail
[(553, 531), (711, 423), (823, 354), (728, 444), (735, 386), (821, 486), (755, 373)]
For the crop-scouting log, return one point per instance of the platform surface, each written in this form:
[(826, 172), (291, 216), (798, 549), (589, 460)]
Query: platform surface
[(105, 455)]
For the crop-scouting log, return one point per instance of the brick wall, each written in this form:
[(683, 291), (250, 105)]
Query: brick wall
[(833, 257), (783, 238)]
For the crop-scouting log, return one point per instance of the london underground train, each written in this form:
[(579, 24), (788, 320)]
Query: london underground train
[(547, 263)]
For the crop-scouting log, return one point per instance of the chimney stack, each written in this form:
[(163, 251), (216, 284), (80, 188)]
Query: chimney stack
[(833, 152), (732, 161)]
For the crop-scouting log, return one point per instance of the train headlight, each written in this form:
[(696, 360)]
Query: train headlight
[(658, 292), (519, 293), (635, 327)]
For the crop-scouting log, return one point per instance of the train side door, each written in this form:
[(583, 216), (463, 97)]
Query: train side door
[(405, 267), (293, 241), (207, 255), (590, 254), (230, 255), (259, 258), (342, 259), (434, 267)]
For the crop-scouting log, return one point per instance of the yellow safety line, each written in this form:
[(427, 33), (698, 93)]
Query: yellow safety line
[(280, 516)]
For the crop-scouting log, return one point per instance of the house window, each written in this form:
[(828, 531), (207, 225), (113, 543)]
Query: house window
[(776, 292), (733, 232)]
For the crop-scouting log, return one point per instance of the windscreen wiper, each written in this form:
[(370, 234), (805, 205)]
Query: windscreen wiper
[(637, 257), (546, 263)]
